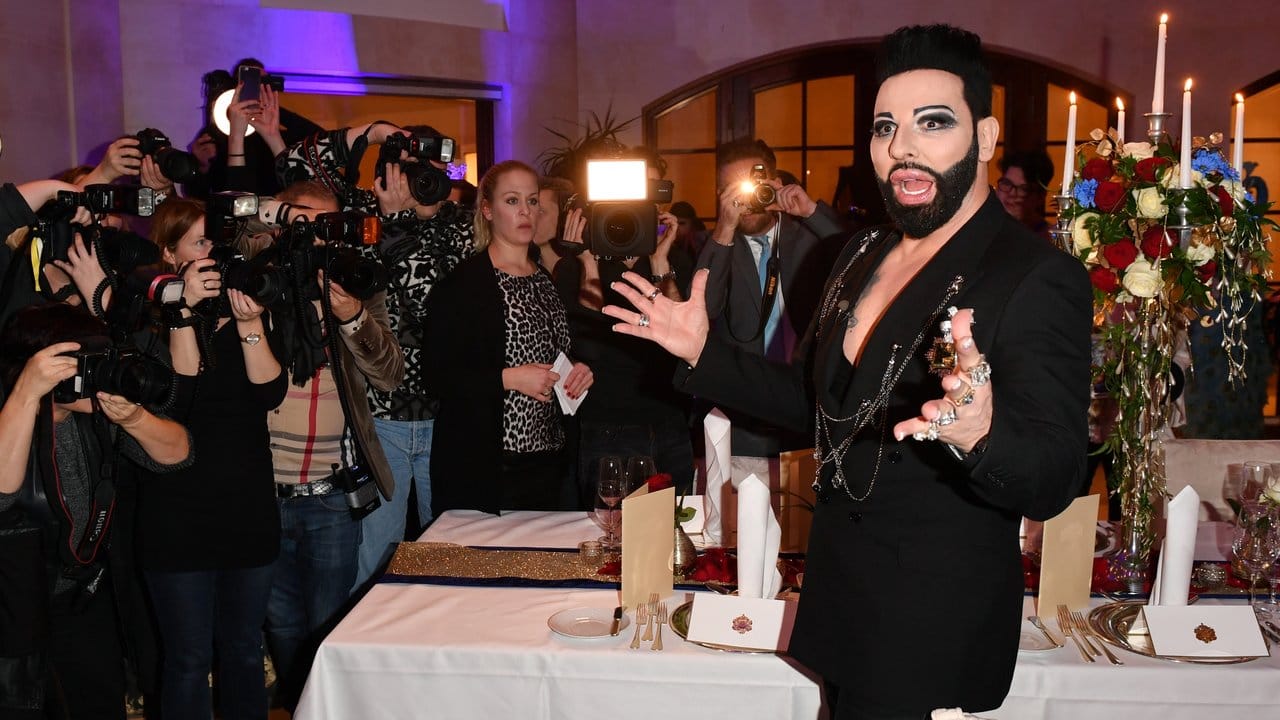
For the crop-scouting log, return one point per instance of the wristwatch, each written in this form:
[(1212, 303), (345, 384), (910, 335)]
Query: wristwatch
[(252, 339)]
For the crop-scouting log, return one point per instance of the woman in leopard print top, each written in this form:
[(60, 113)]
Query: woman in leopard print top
[(494, 327)]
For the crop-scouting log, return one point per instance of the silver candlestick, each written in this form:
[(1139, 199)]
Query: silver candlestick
[(1156, 123), (1179, 215), (1061, 230)]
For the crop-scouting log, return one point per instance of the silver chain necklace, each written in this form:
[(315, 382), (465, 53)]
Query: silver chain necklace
[(826, 449)]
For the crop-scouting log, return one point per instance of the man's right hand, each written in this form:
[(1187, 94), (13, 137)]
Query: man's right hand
[(679, 327), (199, 284), (731, 207)]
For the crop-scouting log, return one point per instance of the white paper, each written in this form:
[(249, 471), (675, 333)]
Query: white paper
[(716, 431), (753, 623), (562, 367), (759, 537), (1173, 572), (1228, 630)]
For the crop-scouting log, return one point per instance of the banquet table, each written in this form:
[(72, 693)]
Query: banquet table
[(410, 650)]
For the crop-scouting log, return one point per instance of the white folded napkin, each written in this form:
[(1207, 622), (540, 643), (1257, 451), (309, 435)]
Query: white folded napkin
[(1173, 572), (759, 536), (562, 367), (715, 428)]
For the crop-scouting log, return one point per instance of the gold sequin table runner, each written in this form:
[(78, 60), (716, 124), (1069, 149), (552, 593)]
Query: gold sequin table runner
[(449, 564)]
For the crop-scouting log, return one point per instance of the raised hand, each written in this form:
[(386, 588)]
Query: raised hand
[(679, 327), (392, 191), (962, 416)]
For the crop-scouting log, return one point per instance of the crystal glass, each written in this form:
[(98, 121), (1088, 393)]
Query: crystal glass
[(1245, 483), (639, 469), (1256, 543), (611, 487)]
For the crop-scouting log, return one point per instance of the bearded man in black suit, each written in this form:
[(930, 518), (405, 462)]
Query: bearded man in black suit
[(935, 433)]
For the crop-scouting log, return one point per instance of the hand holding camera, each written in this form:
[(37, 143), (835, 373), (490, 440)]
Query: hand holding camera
[(121, 410), (344, 306), (45, 370), (392, 190), (154, 179), (123, 158), (83, 268), (243, 308), (202, 281)]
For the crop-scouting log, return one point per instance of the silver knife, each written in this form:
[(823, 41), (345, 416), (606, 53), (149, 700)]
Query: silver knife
[(617, 621)]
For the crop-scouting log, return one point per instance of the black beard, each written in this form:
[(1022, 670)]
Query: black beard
[(953, 184)]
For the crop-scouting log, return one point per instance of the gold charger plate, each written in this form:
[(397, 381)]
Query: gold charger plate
[(679, 621), (1113, 620)]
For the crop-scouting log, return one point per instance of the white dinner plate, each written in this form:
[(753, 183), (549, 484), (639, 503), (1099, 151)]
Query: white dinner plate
[(1033, 641), (585, 622)]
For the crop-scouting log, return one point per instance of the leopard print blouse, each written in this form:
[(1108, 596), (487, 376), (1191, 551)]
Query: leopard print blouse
[(537, 330)]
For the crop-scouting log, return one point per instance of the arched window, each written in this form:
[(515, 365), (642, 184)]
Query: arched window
[(813, 106)]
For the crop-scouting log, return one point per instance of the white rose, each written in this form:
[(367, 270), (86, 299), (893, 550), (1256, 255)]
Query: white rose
[(1198, 254), (1139, 150), (1272, 491), (1150, 203), (1140, 279), (1080, 236)]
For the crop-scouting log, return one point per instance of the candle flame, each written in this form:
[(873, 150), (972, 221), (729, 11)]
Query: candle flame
[(1119, 104), (1164, 18), (1188, 85), (1239, 98), (1073, 97)]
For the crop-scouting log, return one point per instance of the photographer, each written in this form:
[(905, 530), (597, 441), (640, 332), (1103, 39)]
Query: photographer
[(209, 534), (57, 465), (420, 245)]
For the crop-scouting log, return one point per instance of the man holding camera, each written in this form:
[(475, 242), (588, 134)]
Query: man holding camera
[(767, 264), (423, 238)]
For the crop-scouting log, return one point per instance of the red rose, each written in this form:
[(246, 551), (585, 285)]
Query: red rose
[(1146, 169), (1096, 169), (1104, 279), (1109, 196), (1157, 242), (1206, 271), (1120, 255), (1225, 201), (661, 481)]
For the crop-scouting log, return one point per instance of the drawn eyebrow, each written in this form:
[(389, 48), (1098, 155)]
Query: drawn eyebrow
[(886, 115), (934, 107)]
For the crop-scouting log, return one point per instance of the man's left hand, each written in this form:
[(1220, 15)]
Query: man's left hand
[(345, 307), (793, 200), (965, 402)]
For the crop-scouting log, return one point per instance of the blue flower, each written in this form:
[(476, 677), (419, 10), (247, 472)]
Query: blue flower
[(1208, 162), (1083, 192)]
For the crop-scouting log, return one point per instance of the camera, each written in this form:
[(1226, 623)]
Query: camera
[(137, 200), (224, 213), (427, 183), (118, 251), (175, 164), (104, 367), (760, 193), (144, 296), (359, 489), (621, 208)]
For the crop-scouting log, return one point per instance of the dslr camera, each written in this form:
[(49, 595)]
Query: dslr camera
[(621, 208), (760, 194), (102, 366), (359, 489), (175, 164), (427, 183), (138, 200)]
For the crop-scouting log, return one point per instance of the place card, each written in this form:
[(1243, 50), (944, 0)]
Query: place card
[(752, 623), (1066, 558), (562, 367), (648, 544), (1204, 631)]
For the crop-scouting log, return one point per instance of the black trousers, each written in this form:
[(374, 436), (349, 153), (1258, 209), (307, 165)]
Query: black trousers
[(533, 481), (86, 662)]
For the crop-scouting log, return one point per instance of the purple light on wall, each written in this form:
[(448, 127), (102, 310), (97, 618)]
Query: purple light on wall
[(307, 41)]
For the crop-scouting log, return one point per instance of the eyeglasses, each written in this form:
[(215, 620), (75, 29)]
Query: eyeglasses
[(1007, 187)]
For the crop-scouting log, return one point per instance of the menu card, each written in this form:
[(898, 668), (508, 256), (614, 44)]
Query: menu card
[(1204, 630), (1066, 559), (648, 544)]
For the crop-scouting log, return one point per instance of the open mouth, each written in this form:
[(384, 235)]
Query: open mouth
[(912, 187)]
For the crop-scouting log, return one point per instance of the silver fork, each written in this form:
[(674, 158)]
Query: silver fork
[(1064, 624), (662, 619), (642, 614), (653, 615), (1090, 637), (1035, 620)]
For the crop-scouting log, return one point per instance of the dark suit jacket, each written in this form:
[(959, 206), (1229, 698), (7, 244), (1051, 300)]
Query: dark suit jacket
[(807, 248), (913, 596)]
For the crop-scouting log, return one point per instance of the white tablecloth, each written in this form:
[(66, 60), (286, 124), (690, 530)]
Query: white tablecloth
[(431, 651), (410, 651)]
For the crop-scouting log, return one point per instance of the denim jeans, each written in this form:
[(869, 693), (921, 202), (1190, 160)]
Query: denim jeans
[(668, 444), (311, 584), (407, 445), (197, 611)]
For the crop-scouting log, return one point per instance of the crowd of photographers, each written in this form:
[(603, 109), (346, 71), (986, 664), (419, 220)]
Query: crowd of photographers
[(224, 370)]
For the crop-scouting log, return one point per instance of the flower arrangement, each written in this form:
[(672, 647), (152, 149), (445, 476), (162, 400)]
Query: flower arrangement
[(662, 481), (1158, 256)]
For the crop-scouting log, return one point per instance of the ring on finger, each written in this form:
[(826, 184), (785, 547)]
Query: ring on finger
[(653, 294), (966, 397), (980, 374), (946, 417), (929, 433), (643, 321)]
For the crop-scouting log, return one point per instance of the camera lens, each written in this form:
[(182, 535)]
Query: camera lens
[(620, 227), (764, 195), (427, 183), (361, 278), (177, 165), (135, 378)]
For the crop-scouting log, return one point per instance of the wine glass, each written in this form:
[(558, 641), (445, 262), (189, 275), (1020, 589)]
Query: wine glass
[(1243, 484), (611, 487), (639, 469), (1256, 543)]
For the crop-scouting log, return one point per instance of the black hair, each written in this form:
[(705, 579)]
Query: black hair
[(745, 149), (939, 47), (36, 327), (1035, 164), (249, 62), (651, 159), (426, 130)]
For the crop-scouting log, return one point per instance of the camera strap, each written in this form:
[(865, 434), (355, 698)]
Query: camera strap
[(770, 293), (84, 550)]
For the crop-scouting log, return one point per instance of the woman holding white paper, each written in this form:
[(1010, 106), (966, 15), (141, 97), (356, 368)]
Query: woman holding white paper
[(494, 328)]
